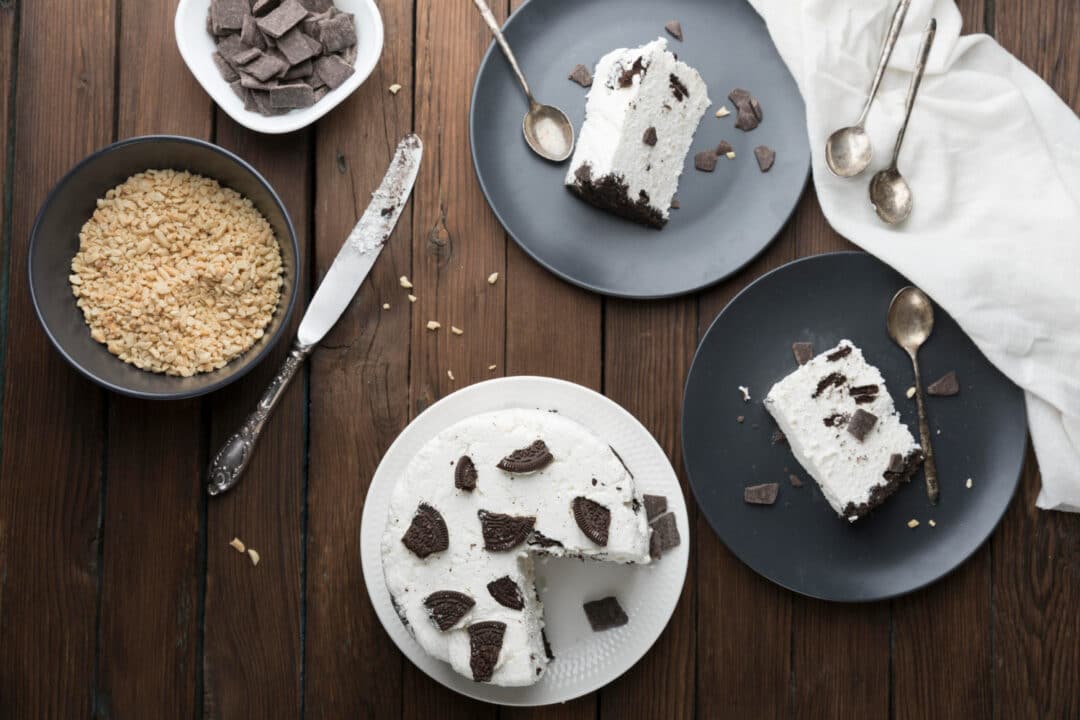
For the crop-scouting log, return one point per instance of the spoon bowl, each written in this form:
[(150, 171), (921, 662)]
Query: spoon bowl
[(848, 151), (891, 196), (549, 132)]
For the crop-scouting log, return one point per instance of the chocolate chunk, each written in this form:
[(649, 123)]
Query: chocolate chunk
[(266, 67), (705, 161), (241, 92), (675, 204), (896, 464), (283, 19), (539, 539), (252, 83), (446, 608), (829, 380), (319, 6), (748, 108), (246, 56), (321, 92), (507, 593), (803, 352), (724, 148), (301, 71), (261, 7), (766, 156), (228, 15), (333, 71), (605, 614), (778, 437), (842, 352), (504, 532), (338, 32), (665, 535), (626, 77), (581, 75), (485, 643), (946, 386), (675, 28), (427, 533), (650, 137), (295, 46), (761, 494), (287, 97), (593, 518), (250, 34), (795, 481), (527, 460), (227, 71), (678, 89), (835, 420), (861, 423), (465, 474), (655, 505)]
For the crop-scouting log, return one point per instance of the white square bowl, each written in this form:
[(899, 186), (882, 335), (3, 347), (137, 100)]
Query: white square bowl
[(197, 48)]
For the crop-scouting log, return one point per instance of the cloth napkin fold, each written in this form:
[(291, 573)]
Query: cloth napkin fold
[(993, 157)]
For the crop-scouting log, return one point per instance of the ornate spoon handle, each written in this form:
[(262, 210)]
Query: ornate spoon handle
[(913, 88), (493, 25), (233, 457), (929, 464), (886, 52)]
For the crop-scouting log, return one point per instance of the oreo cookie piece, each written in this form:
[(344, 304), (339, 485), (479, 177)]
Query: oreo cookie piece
[(605, 614), (838, 354), (655, 506), (861, 423), (864, 393), (527, 460), (665, 535), (761, 494), (828, 381), (724, 148), (485, 643), (427, 533), (803, 352), (795, 481), (446, 608), (593, 518), (465, 474), (504, 532), (507, 593), (945, 386)]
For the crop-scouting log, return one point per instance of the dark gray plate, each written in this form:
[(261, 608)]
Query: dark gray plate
[(727, 217), (799, 542)]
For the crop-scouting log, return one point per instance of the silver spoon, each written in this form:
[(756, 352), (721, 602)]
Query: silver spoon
[(547, 129), (848, 151), (911, 320), (889, 192)]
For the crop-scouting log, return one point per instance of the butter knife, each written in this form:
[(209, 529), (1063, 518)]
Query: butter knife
[(348, 271)]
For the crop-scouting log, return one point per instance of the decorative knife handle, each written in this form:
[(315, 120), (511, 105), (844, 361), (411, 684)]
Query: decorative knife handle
[(233, 457)]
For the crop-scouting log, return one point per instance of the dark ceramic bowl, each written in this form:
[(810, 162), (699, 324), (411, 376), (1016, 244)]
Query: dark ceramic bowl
[(55, 240)]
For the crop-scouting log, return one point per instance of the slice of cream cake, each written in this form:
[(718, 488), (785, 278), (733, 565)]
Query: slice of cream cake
[(640, 118), (843, 428), (474, 506)]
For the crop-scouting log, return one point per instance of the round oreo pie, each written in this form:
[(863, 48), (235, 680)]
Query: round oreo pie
[(473, 508)]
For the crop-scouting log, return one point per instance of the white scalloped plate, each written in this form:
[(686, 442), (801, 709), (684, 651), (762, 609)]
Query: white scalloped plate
[(584, 660)]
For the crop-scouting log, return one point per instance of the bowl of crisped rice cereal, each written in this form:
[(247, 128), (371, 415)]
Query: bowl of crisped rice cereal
[(163, 267)]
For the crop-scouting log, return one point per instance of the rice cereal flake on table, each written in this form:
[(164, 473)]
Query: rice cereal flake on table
[(176, 274)]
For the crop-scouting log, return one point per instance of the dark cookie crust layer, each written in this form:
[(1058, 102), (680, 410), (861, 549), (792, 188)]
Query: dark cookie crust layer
[(893, 479), (610, 192)]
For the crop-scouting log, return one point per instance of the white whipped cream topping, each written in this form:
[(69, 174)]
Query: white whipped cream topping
[(616, 118), (846, 469), (579, 458)]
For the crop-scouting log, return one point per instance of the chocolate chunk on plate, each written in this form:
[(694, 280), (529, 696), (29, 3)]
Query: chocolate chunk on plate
[(945, 386), (764, 494), (649, 138), (795, 481), (251, 35), (803, 352), (283, 19), (674, 27), (749, 114), (253, 83), (605, 614), (861, 423), (665, 535), (303, 70), (705, 161), (333, 71), (766, 156), (338, 32), (655, 506), (724, 148), (581, 75)]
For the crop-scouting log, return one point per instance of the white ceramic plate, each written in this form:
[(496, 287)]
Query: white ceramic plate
[(584, 660), (197, 48)]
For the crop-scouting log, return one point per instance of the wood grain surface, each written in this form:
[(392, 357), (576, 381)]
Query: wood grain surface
[(119, 594)]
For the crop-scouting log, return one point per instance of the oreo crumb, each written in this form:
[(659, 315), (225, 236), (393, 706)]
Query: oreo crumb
[(507, 593), (655, 506), (465, 474), (527, 460), (649, 138)]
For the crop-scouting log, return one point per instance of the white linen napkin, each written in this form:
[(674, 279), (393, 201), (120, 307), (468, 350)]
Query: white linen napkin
[(993, 158)]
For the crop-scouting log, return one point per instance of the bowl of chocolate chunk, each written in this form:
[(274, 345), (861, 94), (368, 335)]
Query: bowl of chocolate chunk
[(276, 66), (163, 267)]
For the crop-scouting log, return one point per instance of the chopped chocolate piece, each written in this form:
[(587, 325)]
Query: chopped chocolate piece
[(287, 97), (829, 380), (252, 83), (250, 34), (836, 420), (261, 7), (504, 532), (527, 460), (605, 614), (795, 481), (295, 47), (581, 75), (778, 437), (427, 533), (705, 161), (803, 351), (838, 354), (465, 474), (348, 55), (675, 204), (333, 71), (945, 386), (485, 643), (283, 19), (446, 608), (665, 535), (593, 518), (761, 494), (266, 67), (655, 506), (319, 6), (230, 46), (748, 108), (675, 28), (338, 32), (861, 423), (649, 138), (539, 539), (766, 156), (626, 76), (896, 464), (227, 71), (678, 89), (241, 91), (228, 15), (261, 99), (321, 92), (246, 56), (507, 593), (724, 148), (297, 72)]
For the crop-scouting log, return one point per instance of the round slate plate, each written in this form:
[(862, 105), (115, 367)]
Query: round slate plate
[(727, 217), (584, 660), (799, 542)]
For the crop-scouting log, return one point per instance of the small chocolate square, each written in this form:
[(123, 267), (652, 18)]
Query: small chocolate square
[(605, 614), (649, 138), (861, 423), (333, 71), (295, 47), (227, 71), (303, 70), (724, 148), (338, 32), (766, 156), (705, 161), (295, 95), (245, 56), (655, 506), (250, 34), (283, 19), (228, 15), (253, 83), (266, 67), (665, 535), (581, 75), (764, 494), (945, 386), (803, 351)]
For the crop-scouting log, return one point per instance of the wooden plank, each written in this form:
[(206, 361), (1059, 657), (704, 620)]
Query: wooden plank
[(359, 392), (457, 243), (648, 349), (150, 588), (50, 474), (252, 664)]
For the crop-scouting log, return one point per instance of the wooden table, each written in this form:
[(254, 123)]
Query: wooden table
[(119, 594)]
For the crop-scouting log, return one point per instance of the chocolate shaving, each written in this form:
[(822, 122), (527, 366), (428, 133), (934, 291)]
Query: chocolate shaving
[(527, 460), (861, 423), (507, 593), (427, 533), (504, 532), (761, 494), (945, 386), (593, 518), (447, 607), (485, 643), (539, 539), (724, 148), (465, 475), (626, 77)]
